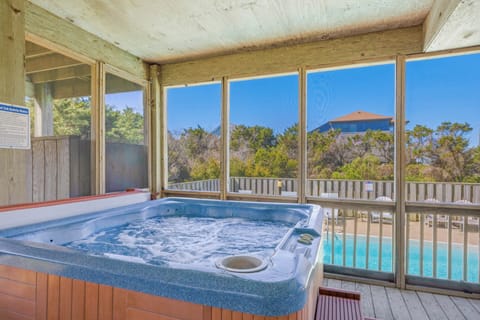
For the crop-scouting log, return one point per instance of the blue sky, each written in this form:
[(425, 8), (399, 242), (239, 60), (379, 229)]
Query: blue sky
[(119, 101), (437, 90)]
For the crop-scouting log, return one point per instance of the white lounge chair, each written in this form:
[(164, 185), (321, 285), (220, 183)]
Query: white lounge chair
[(387, 217), (289, 193), (441, 218), (330, 213), (471, 221)]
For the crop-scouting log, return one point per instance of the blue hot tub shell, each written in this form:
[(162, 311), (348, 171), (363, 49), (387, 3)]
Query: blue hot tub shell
[(279, 289)]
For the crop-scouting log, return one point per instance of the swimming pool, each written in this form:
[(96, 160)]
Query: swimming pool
[(413, 256), (167, 260)]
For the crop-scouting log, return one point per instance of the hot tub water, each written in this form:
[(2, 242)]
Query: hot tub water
[(184, 240)]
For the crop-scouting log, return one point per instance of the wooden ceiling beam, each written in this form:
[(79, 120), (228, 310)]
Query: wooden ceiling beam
[(32, 50), (49, 62), (81, 71), (77, 87), (43, 25)]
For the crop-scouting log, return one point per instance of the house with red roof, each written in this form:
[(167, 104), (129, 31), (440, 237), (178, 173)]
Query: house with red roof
[(357, 122)]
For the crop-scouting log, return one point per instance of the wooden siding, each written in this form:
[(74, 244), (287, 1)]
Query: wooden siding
[(32, 295)]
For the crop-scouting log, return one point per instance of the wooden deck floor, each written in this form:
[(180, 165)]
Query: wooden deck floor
[(390, 303)]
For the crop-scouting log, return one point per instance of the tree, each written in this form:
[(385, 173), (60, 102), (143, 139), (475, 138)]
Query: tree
[(193, 155), (368, 167), (255, 137), (473, 167), (323, 153), (272, 162), (72, 117), (420, 144), (443, 153), (381, 144), (124, 126), (209, 169), (288, 141), (451, 149)]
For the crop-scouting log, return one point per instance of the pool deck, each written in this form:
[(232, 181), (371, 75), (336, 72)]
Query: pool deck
[(391, 303)]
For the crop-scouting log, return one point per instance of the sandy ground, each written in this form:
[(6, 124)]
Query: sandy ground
[(348, 226)]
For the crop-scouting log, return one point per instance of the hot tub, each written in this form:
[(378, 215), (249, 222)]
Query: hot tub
[(246, 257)]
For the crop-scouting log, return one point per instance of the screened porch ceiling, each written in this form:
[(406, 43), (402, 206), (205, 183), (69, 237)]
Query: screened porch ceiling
[(165, 31)]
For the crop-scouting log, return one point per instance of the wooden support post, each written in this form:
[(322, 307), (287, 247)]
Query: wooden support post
[(225, 137), (400, 216), (98, 129), (155, 144), (302, 134), (15, 165), (43, 103), (163, 138), (12, 42)]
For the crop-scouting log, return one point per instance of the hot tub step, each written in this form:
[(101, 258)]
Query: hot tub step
[(338, 304)]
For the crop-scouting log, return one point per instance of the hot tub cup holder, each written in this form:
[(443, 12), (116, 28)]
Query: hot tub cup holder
[(305, 238), (242, 263)]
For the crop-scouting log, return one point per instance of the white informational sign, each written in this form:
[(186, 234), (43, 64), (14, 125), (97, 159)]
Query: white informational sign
[(14, 127), (369, 186)]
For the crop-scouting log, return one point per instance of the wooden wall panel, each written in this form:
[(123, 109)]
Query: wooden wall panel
[(165, 306), (120, 304), (17, 289), (91, 301), (17, 293), (3, 177), (38, 170), (30, 295), (105, 302), (63, 169), (10, 315), (216, 314), (39, 174), (53, 297), (17, 305), (41, 296), (50, 169), (137, 314), (78, 300), (16, 274), (65, 310)]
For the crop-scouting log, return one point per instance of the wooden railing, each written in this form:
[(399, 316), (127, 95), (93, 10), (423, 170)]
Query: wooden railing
[(442, 229), (444, 246), (211, 185), (344, 189)]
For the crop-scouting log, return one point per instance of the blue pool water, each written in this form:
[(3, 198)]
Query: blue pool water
[(413, 257)]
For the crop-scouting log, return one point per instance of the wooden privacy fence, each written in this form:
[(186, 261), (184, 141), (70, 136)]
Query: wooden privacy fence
[(346, 189), (59, 167), (39, 174)]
